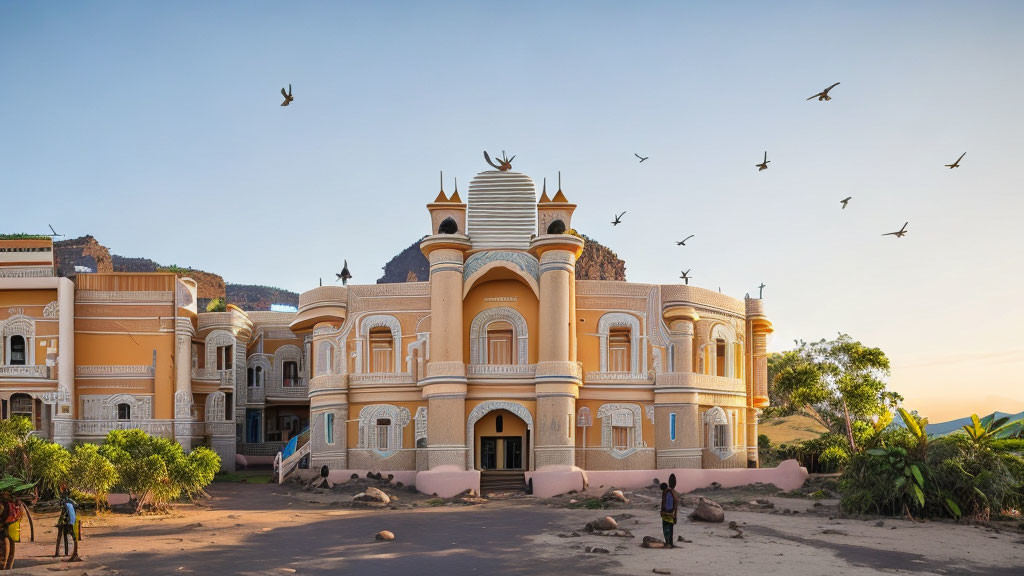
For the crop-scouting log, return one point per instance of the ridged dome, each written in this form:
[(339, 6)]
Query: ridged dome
[(502, 210)]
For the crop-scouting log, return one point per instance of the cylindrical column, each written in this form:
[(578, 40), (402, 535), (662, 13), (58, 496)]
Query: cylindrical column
[(445, 384), (183, 429), (63, 429), (682, 346), (557, 382)]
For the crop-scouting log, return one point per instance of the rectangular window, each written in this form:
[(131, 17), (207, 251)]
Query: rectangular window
[(224, 357), (720, 436), (291, 374), (672, 426), (620, 437), (619, 350), (383, 428), (381, 358), (329, 428), (500, 338), (720, 358)]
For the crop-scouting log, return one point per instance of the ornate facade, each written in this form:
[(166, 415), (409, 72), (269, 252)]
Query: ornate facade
[(503, 360)]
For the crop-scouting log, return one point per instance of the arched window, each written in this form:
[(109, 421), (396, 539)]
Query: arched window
[(448, 226), (18, 350), (124, 411), (21, 405), (249, 377), (556, 227), (381, 350), (500, 343), (619, 347), (259, 375), (718, 433), (290, 376)]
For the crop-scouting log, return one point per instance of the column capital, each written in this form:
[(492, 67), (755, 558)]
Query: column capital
[(545, 243)]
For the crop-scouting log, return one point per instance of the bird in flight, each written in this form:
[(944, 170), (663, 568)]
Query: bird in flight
[(823, 95), (899, 233), (344, 275), (287, 96), (957, 163), (685, 277), (683, 241), (618, 219), (53, 232), (642, 158), (763, 165), (845, 200)]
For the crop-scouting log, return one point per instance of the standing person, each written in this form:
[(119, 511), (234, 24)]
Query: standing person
[(669, 509)]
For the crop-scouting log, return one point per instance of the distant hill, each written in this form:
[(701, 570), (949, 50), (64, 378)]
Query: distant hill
[(790, 429), (943, 428), (597, 262), (87, 252)]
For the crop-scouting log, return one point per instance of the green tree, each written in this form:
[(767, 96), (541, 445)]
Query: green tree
[(91, 473), (835, 382)]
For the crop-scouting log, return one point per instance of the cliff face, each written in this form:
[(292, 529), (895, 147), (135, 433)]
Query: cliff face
[(88, 252), (252, 297), (84, 251), (597, 262)]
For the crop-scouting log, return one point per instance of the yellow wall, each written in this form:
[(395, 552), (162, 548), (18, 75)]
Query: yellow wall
[(408, 433)]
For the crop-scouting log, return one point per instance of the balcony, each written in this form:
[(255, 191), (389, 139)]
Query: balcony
[(40, 372), (327, 382), (255, 395), (99, 428), (622, 378), (381, 379), (486, 371), (701, 382)]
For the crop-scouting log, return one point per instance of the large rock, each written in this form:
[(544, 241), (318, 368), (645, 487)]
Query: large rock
[(606, 523), (385, 536), (615, 496), (707, 511), (372, 496)]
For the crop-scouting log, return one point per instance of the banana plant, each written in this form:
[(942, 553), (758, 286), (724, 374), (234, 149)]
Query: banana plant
[(918, 428), (984, 432), (908, 480)]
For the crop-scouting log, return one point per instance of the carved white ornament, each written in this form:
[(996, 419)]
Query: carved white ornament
[(621, 415), (623, 320), (380, 321), (368, 416)]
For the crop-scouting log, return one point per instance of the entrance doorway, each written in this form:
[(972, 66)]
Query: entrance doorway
[(501, 453), (502, 442)]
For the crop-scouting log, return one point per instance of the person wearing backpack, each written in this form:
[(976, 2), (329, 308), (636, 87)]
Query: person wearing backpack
[(669, 509)]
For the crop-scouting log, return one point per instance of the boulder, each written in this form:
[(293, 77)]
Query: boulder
[(384, 536), (615, 496), (372, 496), (707, 511), (606, 523), (652, 542)]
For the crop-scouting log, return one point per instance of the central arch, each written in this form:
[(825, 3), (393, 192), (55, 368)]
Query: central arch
[(482, 410)]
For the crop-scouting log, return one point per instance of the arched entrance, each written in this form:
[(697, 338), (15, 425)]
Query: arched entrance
[(502, 434)]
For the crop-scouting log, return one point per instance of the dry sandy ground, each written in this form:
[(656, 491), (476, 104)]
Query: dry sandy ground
[(266, 529)]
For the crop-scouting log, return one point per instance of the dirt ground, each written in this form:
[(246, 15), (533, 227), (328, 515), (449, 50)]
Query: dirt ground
[(253, 529)]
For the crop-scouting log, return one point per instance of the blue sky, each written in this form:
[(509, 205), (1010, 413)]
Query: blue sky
[(157, 128)]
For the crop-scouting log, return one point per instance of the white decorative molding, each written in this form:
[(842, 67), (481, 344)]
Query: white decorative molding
[(18, 324), (510, 370), (368, 416), (114, 371), (380, 321), (482, 409), (620, 320), (478, 333), (123, 296), (24, 371), (183, 405), (104, 407), (381, 378), (713, 417), (621, 415), (215, 403), (421, 426), (51, 310), (649, 412)]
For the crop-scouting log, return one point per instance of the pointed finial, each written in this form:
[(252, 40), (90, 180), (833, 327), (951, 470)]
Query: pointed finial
[(455, 195), (559, 196), (544, 193), (440, 195)]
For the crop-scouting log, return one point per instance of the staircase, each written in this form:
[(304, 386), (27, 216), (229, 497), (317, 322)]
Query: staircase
[(502, 481)]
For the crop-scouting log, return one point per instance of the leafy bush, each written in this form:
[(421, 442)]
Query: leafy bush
[(48, 464), (1009, 445), (91, 473), (834, 459), (155, 470), (217, 305), (982, 481)]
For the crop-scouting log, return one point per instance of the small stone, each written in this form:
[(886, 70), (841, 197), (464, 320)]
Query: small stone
[(651, 542), (880, 523), (384, 535), (606, 523), (661, 571)]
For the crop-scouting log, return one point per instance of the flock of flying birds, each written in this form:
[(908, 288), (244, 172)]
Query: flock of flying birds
[(822, 96)]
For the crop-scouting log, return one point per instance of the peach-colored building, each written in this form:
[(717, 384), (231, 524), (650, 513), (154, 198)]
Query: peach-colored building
[(504, 361)]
